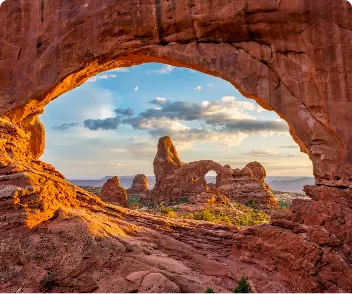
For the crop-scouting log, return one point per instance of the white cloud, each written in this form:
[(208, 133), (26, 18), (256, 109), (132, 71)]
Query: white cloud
[(142, 149), (167, 69), (134, 138), (86, 102), (259, 109), (159, 101), (101, 77), (117, 150), (166, 123), (198, 88), (114, 165), (136, 88), (120, 69), (210, 85)]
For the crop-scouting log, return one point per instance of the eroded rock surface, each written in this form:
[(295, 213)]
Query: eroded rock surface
[(187, 181), (158, 283), (139, 186), (166, 159), (309, 248), (293, 57), (113, 192)]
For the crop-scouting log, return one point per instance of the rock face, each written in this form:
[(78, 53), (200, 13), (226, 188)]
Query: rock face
[(292, 57), (239, 41), (139, 186), (166, 159), (175, 180), (158, 283), (314, 248), (113, 192)]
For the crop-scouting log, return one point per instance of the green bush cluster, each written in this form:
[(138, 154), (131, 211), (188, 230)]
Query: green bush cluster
[(134, 201), (178, 201), (242, 286), (248, 218), (285, 204)]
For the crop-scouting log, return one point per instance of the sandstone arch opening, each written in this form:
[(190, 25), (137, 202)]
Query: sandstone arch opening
[(115, 119), (210, 177)]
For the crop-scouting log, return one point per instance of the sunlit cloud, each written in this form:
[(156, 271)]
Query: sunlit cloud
[(198, 89), (114, 165), (167, 69), (101, 77), (119, 69)]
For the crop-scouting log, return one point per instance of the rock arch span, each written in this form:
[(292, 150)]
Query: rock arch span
[(293, 57)]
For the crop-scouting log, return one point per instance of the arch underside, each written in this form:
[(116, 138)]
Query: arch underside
[(292, 57), (281, 64)]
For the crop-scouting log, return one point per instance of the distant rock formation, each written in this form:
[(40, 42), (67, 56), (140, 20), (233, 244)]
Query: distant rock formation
[(166, 159), (175, 180), (113, 192), (246, 185), (139, 186)]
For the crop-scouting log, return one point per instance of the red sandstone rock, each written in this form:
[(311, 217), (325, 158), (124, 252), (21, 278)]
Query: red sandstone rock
[(293, 57), (283, 54), (258, 170), (139, 186), (166, 159), (113, 192), (188, 180), (314, 251), (158, 283)]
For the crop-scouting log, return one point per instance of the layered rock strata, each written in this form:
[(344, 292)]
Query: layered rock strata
[(284, 54), (292, 57), (176, 181), (309, 248)]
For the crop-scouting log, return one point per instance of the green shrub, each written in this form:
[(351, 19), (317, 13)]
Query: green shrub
[(134, 201), (178, 201), (285, 204), (243, 286), (168, 212), (209, 290), (251, 203), (204, 214)]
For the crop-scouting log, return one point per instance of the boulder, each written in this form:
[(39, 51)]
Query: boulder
[(158, 283)]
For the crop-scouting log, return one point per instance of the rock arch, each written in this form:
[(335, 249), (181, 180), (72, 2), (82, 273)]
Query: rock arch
[(291, 57)]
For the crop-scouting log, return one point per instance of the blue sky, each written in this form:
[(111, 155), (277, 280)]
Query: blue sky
[(111, 124)]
